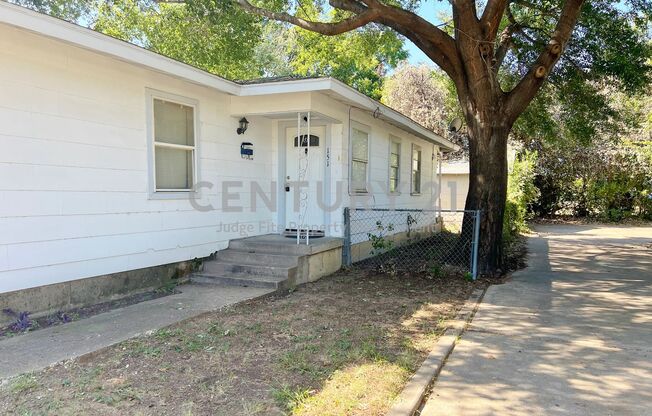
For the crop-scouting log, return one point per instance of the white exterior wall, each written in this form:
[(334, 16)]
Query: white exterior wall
[(455, 187), (74, 198), (378, 168)]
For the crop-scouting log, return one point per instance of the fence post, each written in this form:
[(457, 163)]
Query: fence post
[(346, 248), (476, 243)]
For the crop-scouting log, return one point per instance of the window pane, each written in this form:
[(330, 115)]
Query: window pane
[(393, 159), (416, 171), (360, 145), (393, 173), (173, 168), (173, 123), (393, 185), (416, 160), (396, 148), (393, 179), (416, 182), (359, 176), (314, 141)]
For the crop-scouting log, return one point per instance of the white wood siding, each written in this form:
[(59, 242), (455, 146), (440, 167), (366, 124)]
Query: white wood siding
[(74, 199)]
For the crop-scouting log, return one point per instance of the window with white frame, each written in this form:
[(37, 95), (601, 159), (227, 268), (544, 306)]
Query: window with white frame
[(174, 146), (416, 169), (394, 164), (359, 160)]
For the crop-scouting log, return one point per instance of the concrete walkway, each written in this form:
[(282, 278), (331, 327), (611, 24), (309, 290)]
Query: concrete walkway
[(39, 349), (569, 335)]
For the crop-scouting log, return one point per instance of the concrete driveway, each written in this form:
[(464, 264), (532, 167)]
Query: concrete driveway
[(569, 335)]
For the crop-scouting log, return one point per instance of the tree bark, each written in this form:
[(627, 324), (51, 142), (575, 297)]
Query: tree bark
[(487, 192)]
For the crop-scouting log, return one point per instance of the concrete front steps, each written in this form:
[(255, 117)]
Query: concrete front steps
[(271, 261), (242, 267)]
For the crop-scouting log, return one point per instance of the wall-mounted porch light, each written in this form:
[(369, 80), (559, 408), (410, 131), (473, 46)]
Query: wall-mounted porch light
[(244, 124)]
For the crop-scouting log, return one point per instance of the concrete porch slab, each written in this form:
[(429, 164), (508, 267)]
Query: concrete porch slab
[(45, 347), (272, 242)]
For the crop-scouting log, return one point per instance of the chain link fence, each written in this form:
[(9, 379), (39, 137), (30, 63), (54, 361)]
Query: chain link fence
[(437, 242)]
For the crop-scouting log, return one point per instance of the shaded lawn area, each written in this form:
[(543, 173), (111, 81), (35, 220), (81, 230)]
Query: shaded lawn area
[(344, 345)]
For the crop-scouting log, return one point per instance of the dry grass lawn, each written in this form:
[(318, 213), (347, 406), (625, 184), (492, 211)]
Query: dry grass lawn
[(342, 346)]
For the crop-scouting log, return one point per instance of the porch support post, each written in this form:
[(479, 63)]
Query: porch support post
[(307, 167), (299, 175)]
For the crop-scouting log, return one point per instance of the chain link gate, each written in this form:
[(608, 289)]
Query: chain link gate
[(437, 242)]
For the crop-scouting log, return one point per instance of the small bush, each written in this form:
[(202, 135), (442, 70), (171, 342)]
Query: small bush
[(521, 194), (606, 181)]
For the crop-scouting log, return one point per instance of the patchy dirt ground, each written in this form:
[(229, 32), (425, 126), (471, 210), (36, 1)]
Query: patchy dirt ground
[(342, 346)]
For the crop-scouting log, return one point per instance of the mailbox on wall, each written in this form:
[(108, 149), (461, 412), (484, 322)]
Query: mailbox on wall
[(247, 150)]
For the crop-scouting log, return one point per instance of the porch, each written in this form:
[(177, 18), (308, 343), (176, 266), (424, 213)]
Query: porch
[(272, 261)]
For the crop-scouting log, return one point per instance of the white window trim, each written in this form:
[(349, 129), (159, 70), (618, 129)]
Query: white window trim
[(394, 140), (365, 129), (150, 96), (416, 147)]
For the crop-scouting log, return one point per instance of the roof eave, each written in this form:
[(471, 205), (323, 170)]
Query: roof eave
[(89, 39), (349, 95)]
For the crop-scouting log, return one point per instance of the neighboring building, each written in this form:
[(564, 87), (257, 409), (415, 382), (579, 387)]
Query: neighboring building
[(455, 184), (104, 143)]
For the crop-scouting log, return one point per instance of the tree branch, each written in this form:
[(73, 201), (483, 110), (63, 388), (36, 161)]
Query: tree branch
[(519, 98), (542, 11), (351, 6), (328, 29), (506, 43), (433, 41), (491, 17)]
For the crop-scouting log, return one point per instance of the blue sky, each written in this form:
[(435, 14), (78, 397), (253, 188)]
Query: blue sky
[(429, 10)]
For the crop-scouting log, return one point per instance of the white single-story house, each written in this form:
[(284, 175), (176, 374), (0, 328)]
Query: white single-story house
[(119, 166)]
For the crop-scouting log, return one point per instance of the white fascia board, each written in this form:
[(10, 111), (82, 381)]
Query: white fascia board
[(41, 24), (283, 87)]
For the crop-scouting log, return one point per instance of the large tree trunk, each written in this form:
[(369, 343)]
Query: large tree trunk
[(487, 184)]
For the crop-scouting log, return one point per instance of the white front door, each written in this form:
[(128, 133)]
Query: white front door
[(301, 204)]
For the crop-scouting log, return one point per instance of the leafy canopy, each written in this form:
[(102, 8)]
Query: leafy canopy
[(222, 43), (219, 37), (609, 50)]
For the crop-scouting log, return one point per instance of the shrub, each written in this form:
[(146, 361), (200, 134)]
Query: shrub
[(604, 180), (521, 194)]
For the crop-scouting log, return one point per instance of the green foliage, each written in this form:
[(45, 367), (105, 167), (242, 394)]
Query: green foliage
[(605, 180), (379, 242), (359, 59), (219, 37), (609, 51), (71, 10), (222, 42), (435, 270), (290, 398), (521, 194)]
